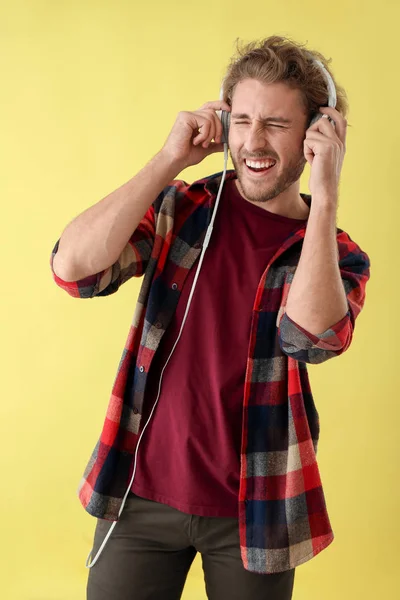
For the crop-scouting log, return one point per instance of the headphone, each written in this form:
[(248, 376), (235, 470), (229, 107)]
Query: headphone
[(225, 116), (225, 119)]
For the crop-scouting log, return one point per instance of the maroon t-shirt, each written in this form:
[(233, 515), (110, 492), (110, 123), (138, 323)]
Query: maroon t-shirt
[(189, 456)]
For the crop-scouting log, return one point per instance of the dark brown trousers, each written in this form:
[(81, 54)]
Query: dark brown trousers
[(149, 554)]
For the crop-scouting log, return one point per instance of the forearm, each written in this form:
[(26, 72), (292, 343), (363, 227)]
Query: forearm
[(317, 299), (94, 240)]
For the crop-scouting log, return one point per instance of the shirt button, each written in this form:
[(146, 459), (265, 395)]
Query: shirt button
[(197, 245), (174, 286), (141, 369), (135, 410), (158, 325)]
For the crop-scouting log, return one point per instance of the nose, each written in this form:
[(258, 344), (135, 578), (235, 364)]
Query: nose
[(255, 138)]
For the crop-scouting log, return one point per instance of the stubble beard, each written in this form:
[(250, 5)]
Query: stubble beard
[(260, 191)]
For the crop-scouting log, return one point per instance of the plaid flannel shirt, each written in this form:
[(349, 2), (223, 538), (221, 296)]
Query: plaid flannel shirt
[(283, 519)]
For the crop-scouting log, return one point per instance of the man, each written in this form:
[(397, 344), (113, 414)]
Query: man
[(210, 438)]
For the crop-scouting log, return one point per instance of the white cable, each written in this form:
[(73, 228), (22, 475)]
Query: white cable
[(205, 245)]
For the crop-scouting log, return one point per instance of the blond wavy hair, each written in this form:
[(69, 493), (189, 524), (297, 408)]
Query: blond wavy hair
[(281, 59)]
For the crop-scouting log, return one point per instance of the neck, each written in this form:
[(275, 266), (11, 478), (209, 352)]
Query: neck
[(287, 204)]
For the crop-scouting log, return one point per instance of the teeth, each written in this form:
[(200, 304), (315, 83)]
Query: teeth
[(260, 165)]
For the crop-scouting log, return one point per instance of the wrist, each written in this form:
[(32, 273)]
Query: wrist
[(166, 161), (326, 199), (324, 206), (322, 220)]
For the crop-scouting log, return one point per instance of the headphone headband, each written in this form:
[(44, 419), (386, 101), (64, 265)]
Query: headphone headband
[(332, 98)]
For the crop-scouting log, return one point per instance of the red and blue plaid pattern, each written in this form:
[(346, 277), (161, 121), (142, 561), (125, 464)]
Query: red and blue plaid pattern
[(283, 517)]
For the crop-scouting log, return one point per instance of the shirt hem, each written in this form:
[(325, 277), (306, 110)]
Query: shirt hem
[(191, 509)]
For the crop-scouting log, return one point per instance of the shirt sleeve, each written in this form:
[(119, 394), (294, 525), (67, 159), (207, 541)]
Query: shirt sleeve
[(304, 346), (132, 262)]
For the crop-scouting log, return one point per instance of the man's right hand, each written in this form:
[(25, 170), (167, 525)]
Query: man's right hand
[(190, 139)]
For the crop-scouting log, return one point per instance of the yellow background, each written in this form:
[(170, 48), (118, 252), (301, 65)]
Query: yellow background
[(89, 92)]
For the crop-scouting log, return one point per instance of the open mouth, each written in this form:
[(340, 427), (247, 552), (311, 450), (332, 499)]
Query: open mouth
[(259, 168)]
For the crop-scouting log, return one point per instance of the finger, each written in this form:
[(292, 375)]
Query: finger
[(318, 144), (216, 129), (204, 128), (308, 155), (329, 119), (332, 123), (211, 132), (212, 107), (322, 139), (340, 121), (216, 105), (213, 147), (319, 136), (324, 126), (322, 132)]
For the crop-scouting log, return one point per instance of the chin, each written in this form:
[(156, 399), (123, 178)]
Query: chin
[(257, 191)]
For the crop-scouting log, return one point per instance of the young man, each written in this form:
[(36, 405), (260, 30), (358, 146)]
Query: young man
[(213, 449)]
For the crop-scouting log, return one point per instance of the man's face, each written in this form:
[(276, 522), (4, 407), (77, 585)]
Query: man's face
[(253, 137)]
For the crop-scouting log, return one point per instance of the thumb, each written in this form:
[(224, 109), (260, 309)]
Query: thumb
[(213, 147)]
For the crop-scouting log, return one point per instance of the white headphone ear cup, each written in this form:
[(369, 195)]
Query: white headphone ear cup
[(225, 120)]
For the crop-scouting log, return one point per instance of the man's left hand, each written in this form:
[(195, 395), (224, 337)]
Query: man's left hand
[(324, 150)]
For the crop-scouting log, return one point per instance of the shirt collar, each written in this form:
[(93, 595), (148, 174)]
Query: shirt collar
[(212, 182)]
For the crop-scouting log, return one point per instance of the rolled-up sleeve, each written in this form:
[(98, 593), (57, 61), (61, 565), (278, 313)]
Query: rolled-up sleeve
[(132, 262), (307, 347), (304, 346)]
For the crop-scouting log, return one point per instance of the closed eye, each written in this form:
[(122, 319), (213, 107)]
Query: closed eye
[(269, 124)]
